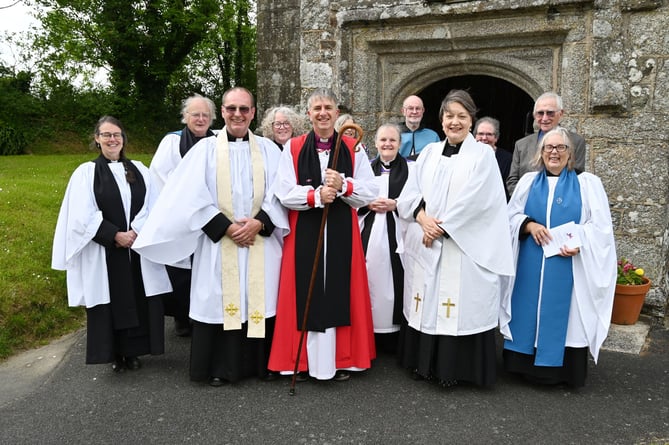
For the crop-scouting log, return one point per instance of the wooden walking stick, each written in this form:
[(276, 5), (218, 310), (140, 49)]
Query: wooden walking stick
[(319, 247)]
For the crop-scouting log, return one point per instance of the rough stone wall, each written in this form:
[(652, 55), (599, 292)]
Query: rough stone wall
[(609, 59), (278, 66)]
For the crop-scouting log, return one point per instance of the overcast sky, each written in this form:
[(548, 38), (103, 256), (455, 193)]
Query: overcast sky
[(16, 18)]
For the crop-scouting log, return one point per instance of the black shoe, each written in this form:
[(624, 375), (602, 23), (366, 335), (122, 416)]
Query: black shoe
[(182, 328), (416, 376), (341, 376), (132, 363), (302, 376), (216, 382), (118, 365), (270, 376), (448, 383)]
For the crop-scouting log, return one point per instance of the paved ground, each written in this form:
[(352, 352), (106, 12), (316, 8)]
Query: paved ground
[(50, 396)]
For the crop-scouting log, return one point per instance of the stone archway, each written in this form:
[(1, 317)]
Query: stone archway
[(493, 96)]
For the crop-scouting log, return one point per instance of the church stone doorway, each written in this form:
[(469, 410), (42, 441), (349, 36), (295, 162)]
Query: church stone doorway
[(493, 96)]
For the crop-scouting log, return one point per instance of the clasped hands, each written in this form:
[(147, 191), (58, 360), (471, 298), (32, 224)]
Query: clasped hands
[(332, 184), (430, 226), (243, 231), (542, 236), (125, 239), (382, 205)]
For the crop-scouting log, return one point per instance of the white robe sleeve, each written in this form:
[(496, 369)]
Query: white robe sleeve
[(287, 190), (154, 275), (516, 209), (73, 247), (165, 160), (183, 208), (365, 187), (595, 266)]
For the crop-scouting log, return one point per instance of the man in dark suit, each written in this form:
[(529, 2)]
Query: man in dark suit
[(547, 113), (486, 130)]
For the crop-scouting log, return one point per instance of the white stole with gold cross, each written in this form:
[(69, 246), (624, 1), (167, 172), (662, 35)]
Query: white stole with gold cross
[(255, 287), (449, 289), (417, 294), (450, 261)]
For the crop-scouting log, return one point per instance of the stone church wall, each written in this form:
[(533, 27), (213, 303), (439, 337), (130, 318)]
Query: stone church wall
[(608, 59)]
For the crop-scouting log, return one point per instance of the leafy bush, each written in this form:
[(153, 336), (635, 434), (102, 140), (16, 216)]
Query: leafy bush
[(12, 141)]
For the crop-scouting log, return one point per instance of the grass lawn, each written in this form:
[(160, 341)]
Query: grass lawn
[(33, 297)]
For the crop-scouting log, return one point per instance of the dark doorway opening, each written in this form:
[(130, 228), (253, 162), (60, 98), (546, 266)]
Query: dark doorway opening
[(494, 97)]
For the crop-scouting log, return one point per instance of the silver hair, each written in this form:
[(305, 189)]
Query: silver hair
[(322, 93), (549, 95), (189, 101), (538, 160)]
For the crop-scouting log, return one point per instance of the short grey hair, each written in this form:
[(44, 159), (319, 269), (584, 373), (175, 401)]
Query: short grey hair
[(322, 93), (490, 120), (549, 95), (388, 125), (189, 101)]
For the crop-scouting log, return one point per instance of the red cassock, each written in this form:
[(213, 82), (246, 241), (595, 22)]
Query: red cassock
[(354, 343)]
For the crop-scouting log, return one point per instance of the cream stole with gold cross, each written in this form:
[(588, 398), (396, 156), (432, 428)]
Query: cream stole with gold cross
[(232, 302)]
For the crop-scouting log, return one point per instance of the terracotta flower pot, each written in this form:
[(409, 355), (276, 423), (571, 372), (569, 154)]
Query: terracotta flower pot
[(628, 301)]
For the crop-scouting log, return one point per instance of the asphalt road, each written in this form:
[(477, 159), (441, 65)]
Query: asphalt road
[(52, 397)]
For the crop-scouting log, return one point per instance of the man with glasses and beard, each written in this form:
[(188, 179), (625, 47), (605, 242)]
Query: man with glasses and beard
[(548, 113)]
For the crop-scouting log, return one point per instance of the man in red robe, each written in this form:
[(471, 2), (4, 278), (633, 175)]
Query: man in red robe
[(340, 336)]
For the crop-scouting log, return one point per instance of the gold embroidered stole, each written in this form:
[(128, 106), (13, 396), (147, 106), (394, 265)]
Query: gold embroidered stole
[(255, 286)]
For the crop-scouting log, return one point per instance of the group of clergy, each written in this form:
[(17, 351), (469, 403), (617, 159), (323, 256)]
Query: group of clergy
[(287, 258)]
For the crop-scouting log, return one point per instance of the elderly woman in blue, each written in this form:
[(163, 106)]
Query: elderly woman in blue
[(559, 306)]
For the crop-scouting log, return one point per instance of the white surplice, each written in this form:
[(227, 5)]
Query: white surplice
[(379, 269), (594, 267), (78, 221), (453, 287), (189, 200)]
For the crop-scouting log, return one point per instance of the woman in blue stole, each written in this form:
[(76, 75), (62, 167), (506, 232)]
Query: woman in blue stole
[(559, 306)]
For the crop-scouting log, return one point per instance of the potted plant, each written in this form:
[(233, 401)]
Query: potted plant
[(631, 289)]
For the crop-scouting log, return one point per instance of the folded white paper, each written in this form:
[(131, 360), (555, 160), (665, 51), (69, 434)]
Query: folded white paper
[(564, 235)]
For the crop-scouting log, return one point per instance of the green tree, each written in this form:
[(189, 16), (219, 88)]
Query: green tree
[(226, 57), (142, 44)]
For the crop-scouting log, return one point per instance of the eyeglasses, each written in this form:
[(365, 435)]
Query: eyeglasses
[(560, 148), (107, 135), (200, 115), (488, 135), (413, 108), (548, 113), (285, 124), (232, 109)]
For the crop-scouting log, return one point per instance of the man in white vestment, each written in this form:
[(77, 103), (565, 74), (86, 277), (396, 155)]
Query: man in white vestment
[(456, 249), (197, 113), (218, 206)]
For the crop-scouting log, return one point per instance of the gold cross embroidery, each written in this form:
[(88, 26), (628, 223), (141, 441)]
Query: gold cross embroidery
[(256, 317), (448, 305), (231, 309), (418, 300)]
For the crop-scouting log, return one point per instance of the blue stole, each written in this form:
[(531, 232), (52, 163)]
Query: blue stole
[(558, 279)]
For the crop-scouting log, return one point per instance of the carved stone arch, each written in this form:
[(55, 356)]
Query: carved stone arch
[(514, 89), (419, 81)]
